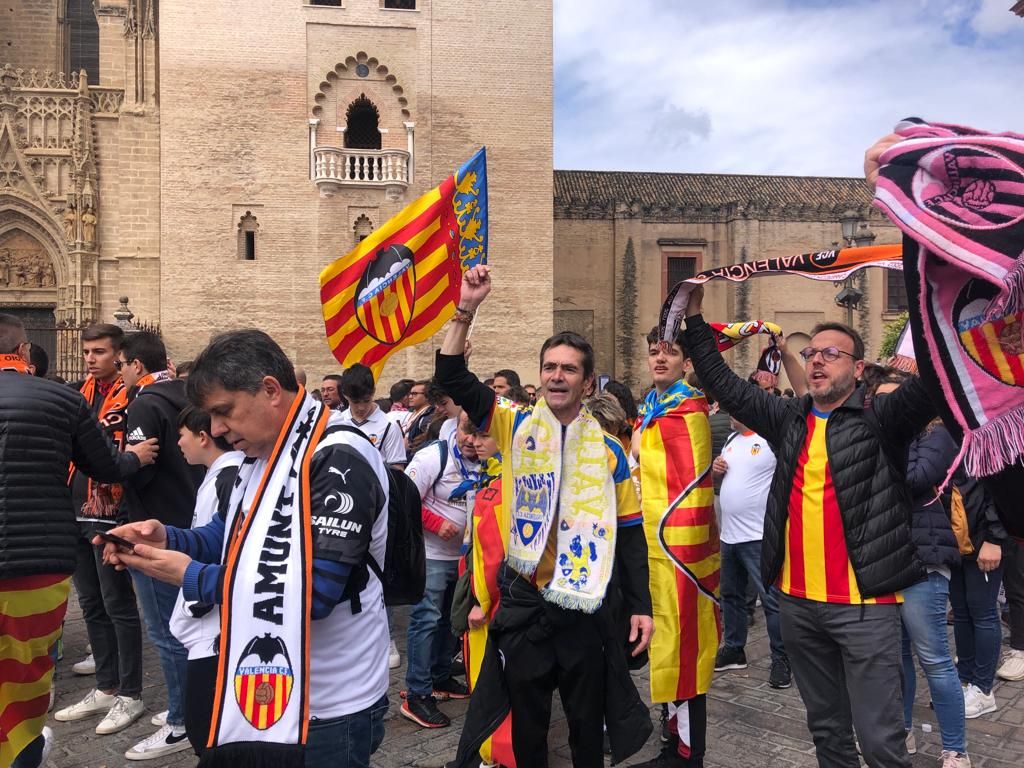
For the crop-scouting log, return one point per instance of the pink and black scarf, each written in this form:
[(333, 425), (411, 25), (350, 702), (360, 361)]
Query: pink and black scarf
[(958, 195)]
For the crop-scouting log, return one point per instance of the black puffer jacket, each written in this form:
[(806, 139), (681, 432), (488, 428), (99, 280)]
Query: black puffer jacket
[(867, 460), (931, 455), (43, 427)]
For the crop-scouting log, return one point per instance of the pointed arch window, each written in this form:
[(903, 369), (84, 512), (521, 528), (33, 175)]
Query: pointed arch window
[(248, 231), (362, 228), (362, 124)]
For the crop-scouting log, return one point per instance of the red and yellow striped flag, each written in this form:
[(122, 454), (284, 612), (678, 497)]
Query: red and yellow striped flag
[(682, 546), (32, 610), (401, 283), (490, 540)]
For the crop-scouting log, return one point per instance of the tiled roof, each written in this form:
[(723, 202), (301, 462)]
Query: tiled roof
[(668, 190)]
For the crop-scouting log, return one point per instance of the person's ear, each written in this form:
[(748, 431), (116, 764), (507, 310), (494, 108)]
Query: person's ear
[(273, 390)]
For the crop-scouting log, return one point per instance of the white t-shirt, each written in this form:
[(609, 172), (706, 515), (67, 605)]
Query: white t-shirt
[(199, 634), (436, 488), (744, 493), (384, 434), (397, 417)]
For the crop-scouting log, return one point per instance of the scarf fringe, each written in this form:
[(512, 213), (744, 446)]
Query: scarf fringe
[(522, 566), (254, 754), (1012, 297), (571, 602), (996, 445)]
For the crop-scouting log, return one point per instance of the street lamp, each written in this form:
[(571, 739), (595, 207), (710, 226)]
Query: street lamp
[(857, 234)]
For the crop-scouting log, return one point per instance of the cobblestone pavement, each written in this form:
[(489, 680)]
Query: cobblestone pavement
[(750, 724)]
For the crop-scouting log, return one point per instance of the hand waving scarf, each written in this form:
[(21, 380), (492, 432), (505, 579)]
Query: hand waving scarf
[(682, 541), (958, 195), (261, 704)]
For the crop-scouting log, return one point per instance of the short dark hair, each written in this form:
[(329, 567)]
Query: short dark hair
[(621, 392), (518, 394), (238, 361), (335, 377), (39, 359), (654, 336), (858, 342), (511, 377), (400, 389), (146, 347), (435, 392), (99, 331), (12, 334), (876, 375), (196, 420), (357, 382), (577, 342)]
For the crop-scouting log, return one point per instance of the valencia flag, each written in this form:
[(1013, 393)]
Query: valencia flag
[(400, 284)]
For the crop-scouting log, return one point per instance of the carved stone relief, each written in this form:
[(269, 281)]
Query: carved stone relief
[(24, 263)]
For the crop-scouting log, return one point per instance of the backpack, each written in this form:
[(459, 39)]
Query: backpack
[(404, 575)]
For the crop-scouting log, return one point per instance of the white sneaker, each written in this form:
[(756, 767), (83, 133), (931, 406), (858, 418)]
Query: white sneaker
[(47, 745), (954, 759), (94, 703), (88, 648), (977, 703), (394, 659), (166, 741), (125, 711), (1012, 667), (159, 719), (86, 666)]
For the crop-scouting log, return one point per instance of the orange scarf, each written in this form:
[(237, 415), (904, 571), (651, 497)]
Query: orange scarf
[(102, 499), (13, 363)]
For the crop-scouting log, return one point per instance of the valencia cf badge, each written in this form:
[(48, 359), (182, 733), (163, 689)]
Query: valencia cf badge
[(386, 294), (263, 681)]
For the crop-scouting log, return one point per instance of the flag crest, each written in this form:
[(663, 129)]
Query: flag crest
[(401, 283)]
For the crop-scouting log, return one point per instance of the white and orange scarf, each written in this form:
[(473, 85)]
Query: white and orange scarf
[(261, 705), (103, 499)]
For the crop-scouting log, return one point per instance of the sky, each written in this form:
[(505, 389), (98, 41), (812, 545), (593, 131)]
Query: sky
[(797, 87)]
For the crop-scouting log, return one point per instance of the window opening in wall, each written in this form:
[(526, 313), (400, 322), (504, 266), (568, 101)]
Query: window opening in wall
[(362, 125), (678, 268), (399, 5), (248, 228), (336, 3), (83, 38), (895, 291), (362, 228)]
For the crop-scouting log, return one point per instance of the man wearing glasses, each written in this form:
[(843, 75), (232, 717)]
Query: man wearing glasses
[(836, 532)]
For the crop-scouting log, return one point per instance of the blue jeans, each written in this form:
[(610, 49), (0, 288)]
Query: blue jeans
[(431, 645), (346, 742), (157, 599), (976, 626), (924, 627), (741, 562)]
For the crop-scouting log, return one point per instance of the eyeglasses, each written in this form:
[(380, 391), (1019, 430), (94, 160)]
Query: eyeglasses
[(119, 364), (417, 392), (828, 354)]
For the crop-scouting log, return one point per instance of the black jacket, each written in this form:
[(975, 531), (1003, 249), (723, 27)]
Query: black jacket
[(166, 489), (983, 520), (867, 455), (44, 426), (932, 453)]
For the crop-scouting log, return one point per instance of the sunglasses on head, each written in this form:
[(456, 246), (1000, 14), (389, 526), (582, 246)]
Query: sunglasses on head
[(828, 354)]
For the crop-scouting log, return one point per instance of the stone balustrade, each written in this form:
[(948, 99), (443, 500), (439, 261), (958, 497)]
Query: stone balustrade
[(334, 168)]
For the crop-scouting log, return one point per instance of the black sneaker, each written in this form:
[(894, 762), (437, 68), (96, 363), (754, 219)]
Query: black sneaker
[(670, 758), (451, 689), (666, 730), (730, 658), (780, 676), (458, 668), (423, 711)]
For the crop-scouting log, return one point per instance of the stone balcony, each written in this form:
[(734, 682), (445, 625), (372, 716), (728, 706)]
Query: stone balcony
[(334, 169)]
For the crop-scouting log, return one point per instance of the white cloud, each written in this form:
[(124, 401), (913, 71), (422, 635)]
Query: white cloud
[(769, 86)]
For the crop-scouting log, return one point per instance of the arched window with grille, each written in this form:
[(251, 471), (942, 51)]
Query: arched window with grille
[(362, 124), (248, 230)]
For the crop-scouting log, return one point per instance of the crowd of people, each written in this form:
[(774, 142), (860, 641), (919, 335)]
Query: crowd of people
[(570, 533)]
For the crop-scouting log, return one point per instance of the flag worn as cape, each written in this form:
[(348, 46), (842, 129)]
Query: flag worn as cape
[(400, 284), (682, 542), (958, 195), (834, 265)]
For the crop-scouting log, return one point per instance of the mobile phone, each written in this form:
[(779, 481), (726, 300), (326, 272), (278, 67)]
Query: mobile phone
[(122, 544)]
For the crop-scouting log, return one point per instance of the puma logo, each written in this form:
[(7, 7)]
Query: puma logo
[(344, 475)]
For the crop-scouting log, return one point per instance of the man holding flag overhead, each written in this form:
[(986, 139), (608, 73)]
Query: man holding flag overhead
[(401, 283)]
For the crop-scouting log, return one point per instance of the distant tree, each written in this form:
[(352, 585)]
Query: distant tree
[(627, 301), (891, 335)]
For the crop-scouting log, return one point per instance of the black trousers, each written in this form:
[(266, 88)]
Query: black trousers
[(565, 652), (1013, 582), (846, 660), (111, 615), (200, 686)]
